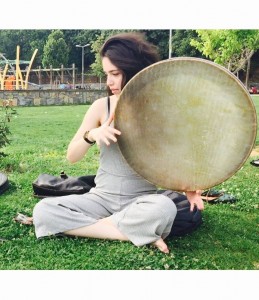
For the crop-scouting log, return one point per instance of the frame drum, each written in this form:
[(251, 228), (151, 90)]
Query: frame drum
[(187, 124)]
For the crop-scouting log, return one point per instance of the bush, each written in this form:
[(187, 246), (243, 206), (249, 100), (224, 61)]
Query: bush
[(6, 113)]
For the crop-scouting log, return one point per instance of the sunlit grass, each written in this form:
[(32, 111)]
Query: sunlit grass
[(228, 238)]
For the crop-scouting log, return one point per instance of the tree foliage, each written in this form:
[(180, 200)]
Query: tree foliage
[(181, 43), (55, 51), (160, 38), (28, 40), (48, 48), (230, 48)]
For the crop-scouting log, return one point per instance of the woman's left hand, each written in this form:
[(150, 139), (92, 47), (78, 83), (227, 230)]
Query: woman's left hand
[(195, 199)]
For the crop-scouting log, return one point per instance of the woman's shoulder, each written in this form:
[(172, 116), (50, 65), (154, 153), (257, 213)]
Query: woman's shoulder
[(100, 102), (98, 109)]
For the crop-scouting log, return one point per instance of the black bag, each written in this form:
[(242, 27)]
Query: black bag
[(186, 221), (4, 183), (48, 185)]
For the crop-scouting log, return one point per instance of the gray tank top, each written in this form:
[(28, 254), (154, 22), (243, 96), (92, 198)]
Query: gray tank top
[(115, 176)]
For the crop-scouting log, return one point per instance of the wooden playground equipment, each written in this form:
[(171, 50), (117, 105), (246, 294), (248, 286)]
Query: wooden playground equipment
[(15, 81), (12, 77)]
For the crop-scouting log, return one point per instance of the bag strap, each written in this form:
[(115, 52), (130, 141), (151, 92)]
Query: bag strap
[(108, 106)]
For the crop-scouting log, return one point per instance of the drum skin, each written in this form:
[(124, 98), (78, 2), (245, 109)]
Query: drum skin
[(187, 124)]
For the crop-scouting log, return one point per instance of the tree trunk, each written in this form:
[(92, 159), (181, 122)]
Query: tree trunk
[(247, 72), (244, 62)]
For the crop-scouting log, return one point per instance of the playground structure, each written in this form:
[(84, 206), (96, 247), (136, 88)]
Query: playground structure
[(54, 78), (15, 80), (12, 77)]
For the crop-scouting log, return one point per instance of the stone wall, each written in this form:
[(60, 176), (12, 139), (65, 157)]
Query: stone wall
[(50, 97)]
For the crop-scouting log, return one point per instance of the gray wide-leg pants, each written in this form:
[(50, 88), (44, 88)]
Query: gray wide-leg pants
[(142, 219)]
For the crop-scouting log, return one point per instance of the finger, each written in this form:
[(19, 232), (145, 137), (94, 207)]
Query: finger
[(114, 131), (201, 206), (111, 137), (192, 207), (106, 141)]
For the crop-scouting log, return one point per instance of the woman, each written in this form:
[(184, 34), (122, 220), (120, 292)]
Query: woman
[(123, 206)]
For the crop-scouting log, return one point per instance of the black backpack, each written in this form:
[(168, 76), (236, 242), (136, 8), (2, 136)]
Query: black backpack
[(186, 221), (47, 185)]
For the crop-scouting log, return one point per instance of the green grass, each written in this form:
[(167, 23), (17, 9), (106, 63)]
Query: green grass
[(227, 240)]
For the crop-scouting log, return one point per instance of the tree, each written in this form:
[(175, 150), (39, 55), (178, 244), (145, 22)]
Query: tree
[(55, 51), (81, 37), (37, 40), (181, 43), (231, 48), (160, 38), (28, 40)]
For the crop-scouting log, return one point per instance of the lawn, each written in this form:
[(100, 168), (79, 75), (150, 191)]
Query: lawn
[(227, 240)]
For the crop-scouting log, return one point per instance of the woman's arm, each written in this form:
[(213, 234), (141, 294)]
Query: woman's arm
[(78, 147), (99, 131)]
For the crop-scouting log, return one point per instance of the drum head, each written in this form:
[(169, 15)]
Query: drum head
[(186, 124)]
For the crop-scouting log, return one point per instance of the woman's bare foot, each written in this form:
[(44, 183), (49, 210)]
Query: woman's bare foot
[(161, 245)]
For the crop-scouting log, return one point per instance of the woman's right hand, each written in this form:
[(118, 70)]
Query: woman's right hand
[(105, 133)]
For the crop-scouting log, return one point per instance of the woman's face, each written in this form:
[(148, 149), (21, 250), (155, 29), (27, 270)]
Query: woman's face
[(114, 76)]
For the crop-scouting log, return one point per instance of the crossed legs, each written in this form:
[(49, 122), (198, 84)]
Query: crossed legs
[(105, 229), (147, 220)]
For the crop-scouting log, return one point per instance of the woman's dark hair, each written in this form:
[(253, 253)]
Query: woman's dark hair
[(130, 53)]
